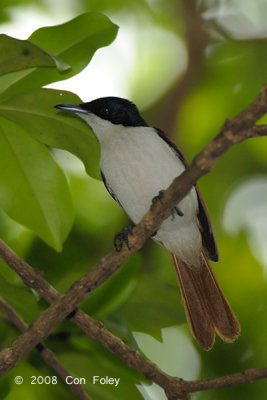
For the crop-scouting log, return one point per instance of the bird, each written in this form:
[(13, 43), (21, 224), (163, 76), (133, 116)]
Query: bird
[(137, 163)]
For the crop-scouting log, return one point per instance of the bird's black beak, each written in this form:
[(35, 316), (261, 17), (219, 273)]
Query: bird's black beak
[(76, 108)]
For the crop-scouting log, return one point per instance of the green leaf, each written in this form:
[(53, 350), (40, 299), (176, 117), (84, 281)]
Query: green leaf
[(155, 302), (74, 41), (98, 362), (20, 298), (18, 54), (30, 391), (33, 189), (5, 386), (115, 291), (35, 111)]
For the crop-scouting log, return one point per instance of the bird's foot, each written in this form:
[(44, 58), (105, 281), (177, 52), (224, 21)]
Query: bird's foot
[(158, 197), (175, 210), (122, 237)]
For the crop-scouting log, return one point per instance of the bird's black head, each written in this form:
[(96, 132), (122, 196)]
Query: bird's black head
[(116, 110)]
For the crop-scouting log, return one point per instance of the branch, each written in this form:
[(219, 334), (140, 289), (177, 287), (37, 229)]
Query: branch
[(258, 130), (233, 132), (47, 355), (91, 327), (248, 376)]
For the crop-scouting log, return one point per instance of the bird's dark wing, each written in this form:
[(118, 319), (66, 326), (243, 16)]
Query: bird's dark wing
[(172, 145), (208, 239)]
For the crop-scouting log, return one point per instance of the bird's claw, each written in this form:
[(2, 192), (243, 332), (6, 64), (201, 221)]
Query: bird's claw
[(158, 197), (122, 237), (175, 210)]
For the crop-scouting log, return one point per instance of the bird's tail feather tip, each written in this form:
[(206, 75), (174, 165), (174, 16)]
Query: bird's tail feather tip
[(206, 307)]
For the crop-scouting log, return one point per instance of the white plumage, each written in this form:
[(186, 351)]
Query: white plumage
[(137, 163)]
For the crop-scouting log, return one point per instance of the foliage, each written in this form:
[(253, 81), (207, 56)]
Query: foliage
[(44, 204), (67, 211)]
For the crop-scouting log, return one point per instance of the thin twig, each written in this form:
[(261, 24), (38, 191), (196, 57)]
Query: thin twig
[(248, 376), (258, 130), (47, 355)]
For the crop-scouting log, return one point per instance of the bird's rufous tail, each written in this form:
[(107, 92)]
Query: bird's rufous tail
[(206, 307)]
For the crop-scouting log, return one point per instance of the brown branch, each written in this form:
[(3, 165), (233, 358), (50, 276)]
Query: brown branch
[(47, 355), (258, 130), (248, 376), (233, 132), (91, 327)]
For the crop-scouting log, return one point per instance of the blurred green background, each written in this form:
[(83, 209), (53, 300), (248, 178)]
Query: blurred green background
[(188, 65)]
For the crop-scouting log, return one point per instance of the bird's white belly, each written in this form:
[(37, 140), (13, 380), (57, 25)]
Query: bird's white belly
[(136, 167)]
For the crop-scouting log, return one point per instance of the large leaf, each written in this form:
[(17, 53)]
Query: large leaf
[(98, 362), (75, 42), (155, 303), (16, 54), (33, 189), (5, 386), (115, 291), (20, 298), (35, 111), (31, 390)]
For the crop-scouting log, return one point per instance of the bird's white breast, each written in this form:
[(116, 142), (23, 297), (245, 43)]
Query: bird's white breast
[(137, 164)]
